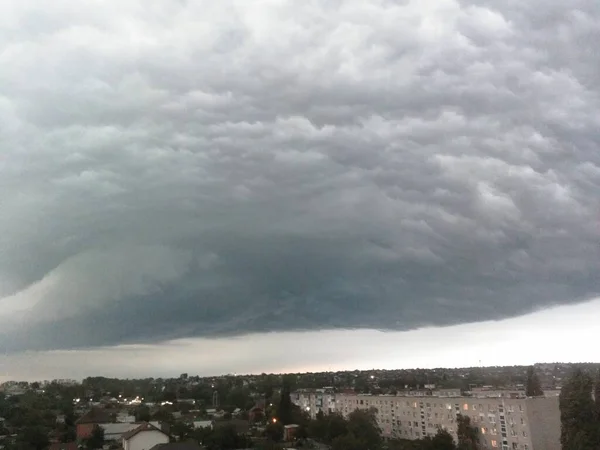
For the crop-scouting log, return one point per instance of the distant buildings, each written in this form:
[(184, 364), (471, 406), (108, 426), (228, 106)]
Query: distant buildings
[(506, 420)]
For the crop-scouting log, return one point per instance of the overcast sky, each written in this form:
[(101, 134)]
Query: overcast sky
[(240, 177)]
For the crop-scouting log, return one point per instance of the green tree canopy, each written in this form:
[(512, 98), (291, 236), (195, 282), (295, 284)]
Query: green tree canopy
[(468, 435), (578, 414), (533, 387)]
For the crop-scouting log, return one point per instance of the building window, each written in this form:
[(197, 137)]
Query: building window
[(483, 430), (524, 433), (466, 407), (494, 444)]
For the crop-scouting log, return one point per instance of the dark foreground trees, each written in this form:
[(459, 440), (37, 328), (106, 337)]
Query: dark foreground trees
[(579, 413), (361, 432), (468, 436)]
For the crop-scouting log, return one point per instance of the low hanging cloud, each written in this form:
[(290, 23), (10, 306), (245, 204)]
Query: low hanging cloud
[(184, 169)]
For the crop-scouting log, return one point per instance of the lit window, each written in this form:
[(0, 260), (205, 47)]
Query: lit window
[(494, 444), (483, 431), (466, 407)]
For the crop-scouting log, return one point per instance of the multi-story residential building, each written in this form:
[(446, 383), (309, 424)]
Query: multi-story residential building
[(314, 400), (505, 422)]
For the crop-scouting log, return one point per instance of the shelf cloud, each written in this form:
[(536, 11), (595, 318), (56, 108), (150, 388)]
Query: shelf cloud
[(175, 170)]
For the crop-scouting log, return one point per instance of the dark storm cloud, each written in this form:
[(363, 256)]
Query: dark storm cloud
[(173, 170)]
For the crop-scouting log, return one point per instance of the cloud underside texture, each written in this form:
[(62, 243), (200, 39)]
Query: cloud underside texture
[(180, 169)]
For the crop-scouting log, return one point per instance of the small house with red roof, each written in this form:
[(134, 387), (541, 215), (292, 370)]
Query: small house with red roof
[(87, 423)]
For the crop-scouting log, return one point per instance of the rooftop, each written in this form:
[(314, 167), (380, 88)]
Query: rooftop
[(143, 427)]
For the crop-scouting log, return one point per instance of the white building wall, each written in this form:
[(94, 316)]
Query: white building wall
[(503, 423), (313, 401), (145, 440)]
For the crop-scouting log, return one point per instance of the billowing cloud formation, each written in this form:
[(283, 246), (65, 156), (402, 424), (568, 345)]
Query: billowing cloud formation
[(180, 169)]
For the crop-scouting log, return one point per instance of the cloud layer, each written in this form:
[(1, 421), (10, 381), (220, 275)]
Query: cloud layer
[(561, 329), (180, 169)]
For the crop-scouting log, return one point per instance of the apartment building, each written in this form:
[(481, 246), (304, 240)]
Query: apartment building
[(505, 422), (314, 400)]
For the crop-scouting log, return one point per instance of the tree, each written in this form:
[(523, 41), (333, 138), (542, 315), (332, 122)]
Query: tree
[(225, 438), (318, 428), (34, 437), (578, 417), (336, 426), (468, 437), (142, 414), (181, 430), (285, 409), (363, 426), (347, 442), (96, 440), (533, 387), (441, 441), (162, 415), (274, 431)]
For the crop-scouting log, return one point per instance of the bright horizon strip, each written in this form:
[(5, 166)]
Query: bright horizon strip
[(555, 335)]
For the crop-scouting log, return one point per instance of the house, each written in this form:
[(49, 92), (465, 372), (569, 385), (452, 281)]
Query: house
[(89, 421), (203, 424), (177, 446), (115, 431), (289, 432), (144, 437), (124, 417)]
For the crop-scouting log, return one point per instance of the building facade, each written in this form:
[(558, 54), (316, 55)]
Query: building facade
[(511, 422), (314, 401)]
